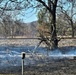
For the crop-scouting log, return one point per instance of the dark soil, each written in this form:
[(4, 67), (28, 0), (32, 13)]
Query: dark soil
[(58, 67)]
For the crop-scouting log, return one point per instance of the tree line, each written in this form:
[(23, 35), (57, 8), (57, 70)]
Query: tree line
[(12, 28)]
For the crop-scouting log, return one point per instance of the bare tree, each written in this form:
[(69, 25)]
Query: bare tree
[(50, 5), (8, 25), (69, 13)]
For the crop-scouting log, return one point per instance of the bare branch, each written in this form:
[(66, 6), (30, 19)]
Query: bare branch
[(44, 4)]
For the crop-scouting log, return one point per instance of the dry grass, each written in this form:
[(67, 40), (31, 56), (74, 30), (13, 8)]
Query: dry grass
[(59, 67)]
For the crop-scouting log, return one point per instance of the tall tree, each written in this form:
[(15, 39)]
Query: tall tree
[(50, 5)]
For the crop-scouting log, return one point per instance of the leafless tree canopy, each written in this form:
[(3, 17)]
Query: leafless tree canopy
[(55, 7)]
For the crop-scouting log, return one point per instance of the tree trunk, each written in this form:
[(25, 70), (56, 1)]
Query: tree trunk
[(54, 39), (72, 19), (11, 33), (52, 5), (72, 29)]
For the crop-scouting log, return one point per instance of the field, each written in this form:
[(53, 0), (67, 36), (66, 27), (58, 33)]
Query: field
[(59, 67), (65, 41), (54, 67)]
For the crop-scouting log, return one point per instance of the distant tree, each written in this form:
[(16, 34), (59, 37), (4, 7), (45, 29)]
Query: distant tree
[(7, 25), (69, 12), (19, 28), (62, 25)]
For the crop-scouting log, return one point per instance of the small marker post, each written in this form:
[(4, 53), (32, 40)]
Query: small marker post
[(23, 56)]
